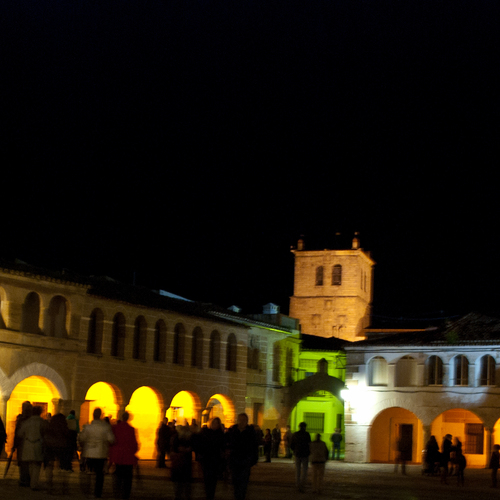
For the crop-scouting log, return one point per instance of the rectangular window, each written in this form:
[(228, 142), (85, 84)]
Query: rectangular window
[(474, 439), (315, 423)]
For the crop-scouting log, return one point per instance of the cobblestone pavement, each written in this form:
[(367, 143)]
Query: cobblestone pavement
[(273, 481)]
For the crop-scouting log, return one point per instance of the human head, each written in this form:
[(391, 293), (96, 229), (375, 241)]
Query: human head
[(37, 411), (125, 416), (496, 447), (215, 424), (318, 437), (97, 413), (242, 421), (448, 437), (302, 426), (72, 412)]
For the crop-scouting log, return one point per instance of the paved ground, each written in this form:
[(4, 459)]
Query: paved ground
[(275, 481)]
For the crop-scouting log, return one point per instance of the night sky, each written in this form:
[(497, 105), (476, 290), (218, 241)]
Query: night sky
[(193, 142)]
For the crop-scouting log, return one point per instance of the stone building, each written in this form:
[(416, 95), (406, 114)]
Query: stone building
[(333, 291), (69, 342), (416, 384)]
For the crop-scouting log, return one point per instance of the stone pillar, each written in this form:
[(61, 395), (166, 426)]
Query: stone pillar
[(426, 430), (446, 375), (11, 313), (58, 405), (490, 436), (3, 407)]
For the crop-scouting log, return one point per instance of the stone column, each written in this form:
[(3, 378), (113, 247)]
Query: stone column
[(3, 408), (426, 430)]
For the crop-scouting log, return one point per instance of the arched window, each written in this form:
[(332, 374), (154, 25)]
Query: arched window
[(377, 371), (179, 341), (118, 335), (406, 372), (434, 371), (30, 316), (57, 317), (253, 353), (337, 275), (160, 343), (197, 348), (231, 352), (276, 362), (461, 370), (487, 371), (214, 357), (319, 276), (94, 338), (140, 338)]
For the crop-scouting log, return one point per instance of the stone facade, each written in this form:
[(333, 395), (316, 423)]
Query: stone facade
[(333, 292)]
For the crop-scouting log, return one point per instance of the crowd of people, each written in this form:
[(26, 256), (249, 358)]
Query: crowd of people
[(450, 460), (56, 442)]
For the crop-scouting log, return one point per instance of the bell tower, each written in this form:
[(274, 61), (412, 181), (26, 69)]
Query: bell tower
[(333, 291)]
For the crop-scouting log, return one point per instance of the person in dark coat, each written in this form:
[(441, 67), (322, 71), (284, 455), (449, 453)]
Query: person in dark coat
[(243, 451), (3, 437), (445, 457), (268, 443), (494, 464), (122, 454), (276, 435), (431, 455), (300, 446), (211, 448), (181, 459), (336, 439), (163, 443), (24, 470), (57, 446)]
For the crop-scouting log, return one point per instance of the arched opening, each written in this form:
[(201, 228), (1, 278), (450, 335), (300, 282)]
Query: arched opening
[(145, 410), (118, 336), (377, 371), (434, 371), (57, 317), (322, 411), (468, 428), (406, 372), (231, 351), (179, 342), (39, 391), (219, 406), (100, 395), (184, 406), (389, 427), (30, 315), (214, 355), (160, 342), (2, 306), (140, 338)]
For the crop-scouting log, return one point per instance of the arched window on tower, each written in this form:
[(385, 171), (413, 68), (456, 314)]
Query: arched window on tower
[(118, 335), (30, 316), (434, 371), (319, 276), (179, 341), (377, 371), (160, 342), (140, 338), (94, 338), (276, 362), (214, 355), (337, 275), (57, 317), (487, 369), (460, 370), (406, 372), (231, 353), (197, 348)]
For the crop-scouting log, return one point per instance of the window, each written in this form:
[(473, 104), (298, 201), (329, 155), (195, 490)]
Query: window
[(434, 371), (160, 341), (231, 353), (57, 317), (276, 362), (179, 339), (461, 370), (214, 355), (315, 422), (406, 372), (140, 338), (197, 348), (377, 371), (94, 338), (474, 439), (487, 371), (337, 275), (319, 276), (31, 314), (118, 336)]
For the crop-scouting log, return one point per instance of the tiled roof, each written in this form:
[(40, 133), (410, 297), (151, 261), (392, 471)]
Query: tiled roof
[(315, 343), (472, 329)]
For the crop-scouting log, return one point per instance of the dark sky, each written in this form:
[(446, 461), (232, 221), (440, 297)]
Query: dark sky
[(193, 142)]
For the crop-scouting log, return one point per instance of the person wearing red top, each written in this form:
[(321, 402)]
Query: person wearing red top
[(122, 454)]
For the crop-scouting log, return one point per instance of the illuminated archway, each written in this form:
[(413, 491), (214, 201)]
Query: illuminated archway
[(38, 391), (467, 427), (387, 428), (100, 395), (184, 406), (145, 414), (220, 406)]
